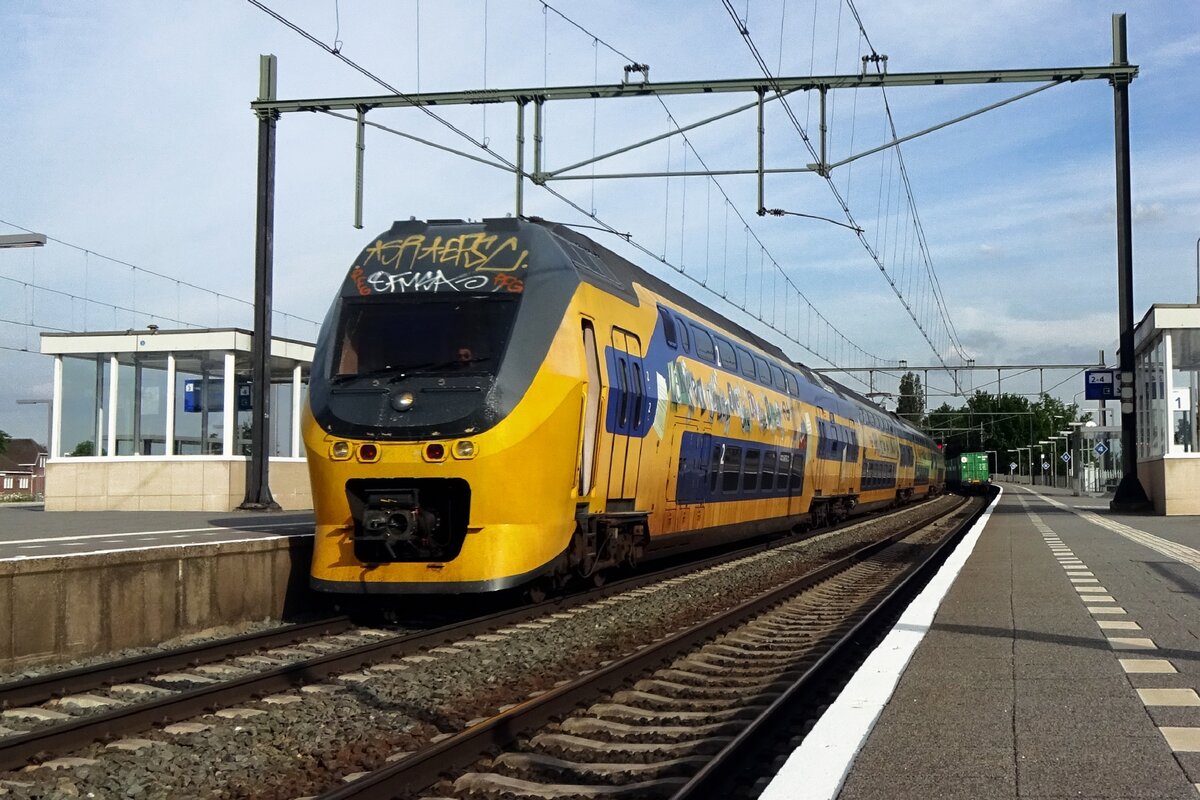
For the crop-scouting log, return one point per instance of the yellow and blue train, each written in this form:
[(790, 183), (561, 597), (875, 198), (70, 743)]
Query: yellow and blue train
[(508, 403)]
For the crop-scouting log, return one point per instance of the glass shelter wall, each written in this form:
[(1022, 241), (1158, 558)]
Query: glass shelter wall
[(1168, 367), (174, 403)]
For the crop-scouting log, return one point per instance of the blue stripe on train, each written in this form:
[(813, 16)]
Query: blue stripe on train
[(715, 469)]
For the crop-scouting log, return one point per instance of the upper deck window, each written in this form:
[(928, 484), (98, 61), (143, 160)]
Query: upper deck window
[(704, 344), (725, 351), (422, 334)]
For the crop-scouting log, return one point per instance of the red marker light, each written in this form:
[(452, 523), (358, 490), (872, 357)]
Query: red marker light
[(368, 452), (435, 452)]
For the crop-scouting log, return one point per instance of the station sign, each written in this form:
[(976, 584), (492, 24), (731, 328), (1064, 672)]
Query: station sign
[(195, 399), (1101, 384)]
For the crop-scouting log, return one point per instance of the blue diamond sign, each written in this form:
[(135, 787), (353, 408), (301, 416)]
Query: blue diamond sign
[(1045, 465), (1066, 458), (1101, 448)]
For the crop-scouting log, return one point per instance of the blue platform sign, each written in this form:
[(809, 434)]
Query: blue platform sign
[(1100, 384), (1101, 448), (194, 400)]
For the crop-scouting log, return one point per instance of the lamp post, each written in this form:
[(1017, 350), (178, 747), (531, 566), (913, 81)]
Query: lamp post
[(1029, 457), (1042, 456), (1053, 464)]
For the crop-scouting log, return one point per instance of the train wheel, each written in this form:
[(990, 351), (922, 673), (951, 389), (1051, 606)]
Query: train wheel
[(537, 591), (599, 578)]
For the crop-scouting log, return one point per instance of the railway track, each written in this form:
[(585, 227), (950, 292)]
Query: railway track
[(677, 717), (340, 653)]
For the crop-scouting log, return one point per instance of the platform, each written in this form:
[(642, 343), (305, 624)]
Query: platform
[(81, 583), (1064, 661)]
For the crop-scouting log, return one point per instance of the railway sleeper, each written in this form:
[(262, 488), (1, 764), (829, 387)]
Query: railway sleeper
[(744, 682), (616, 711), (754, 655), (564, 745), (537, 766), (653, 685), (740, 670), (710, 679), (598, 728), (492, 785), (663, 703)]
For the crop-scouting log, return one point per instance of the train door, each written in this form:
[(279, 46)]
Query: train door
[(593, 420), (626, 418), (687, 477)]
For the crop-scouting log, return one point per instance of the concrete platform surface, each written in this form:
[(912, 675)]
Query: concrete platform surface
[(1063, 662), (27, 531)]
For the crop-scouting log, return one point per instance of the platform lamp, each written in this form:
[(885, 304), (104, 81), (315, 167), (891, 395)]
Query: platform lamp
[(27, 239)]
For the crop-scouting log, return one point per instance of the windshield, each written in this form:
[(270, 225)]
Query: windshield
[(422, 335)]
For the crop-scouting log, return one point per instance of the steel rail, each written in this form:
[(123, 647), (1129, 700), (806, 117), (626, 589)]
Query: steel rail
[(723, 766), (423, 768), (17, 751), (39, 689)]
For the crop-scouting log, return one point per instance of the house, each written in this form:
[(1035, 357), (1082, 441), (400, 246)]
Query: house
[(23, 469)]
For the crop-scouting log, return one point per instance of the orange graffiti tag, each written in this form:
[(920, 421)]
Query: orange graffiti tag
[(509, 283), (360, 282)]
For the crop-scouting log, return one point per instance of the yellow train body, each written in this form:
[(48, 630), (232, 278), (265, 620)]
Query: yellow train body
[(615, 418)]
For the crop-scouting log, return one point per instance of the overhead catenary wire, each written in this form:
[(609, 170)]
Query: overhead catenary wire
[(501, 160), (743, 30)]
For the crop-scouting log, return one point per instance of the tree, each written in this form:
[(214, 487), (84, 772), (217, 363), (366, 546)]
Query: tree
[(911, 405), (85, 448), (1001, 423), (4, 440)]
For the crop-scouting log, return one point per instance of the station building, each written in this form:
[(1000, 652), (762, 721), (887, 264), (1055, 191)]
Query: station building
[(1167, 365), (159, 420)]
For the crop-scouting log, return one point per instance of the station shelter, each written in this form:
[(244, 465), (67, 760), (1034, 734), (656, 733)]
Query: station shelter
[(1167, 364), (160, 420)]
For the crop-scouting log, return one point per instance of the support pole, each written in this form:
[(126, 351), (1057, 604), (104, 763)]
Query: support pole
[(521, 156), (537, 141), (360, 149), (1130, 496), (762, 205), (258, 490)]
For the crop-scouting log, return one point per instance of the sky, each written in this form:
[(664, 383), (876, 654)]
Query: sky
[(129, 141)]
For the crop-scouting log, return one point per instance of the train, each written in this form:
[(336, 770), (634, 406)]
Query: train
[(507, 404), (969, 473)]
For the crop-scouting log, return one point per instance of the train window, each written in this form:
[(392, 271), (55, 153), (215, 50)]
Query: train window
[(764, 370), (637, 396), (725, 352), (785, 468), (622, 394), (777, 378), (750, 471), (793, 388), (797, 474), (425, 334), (747, 362), (681, 326), (704, 344), (731, 471), (714, 467), (768, 470), (668, 327)]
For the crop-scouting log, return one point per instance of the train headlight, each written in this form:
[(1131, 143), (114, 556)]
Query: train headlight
[(339, 451), (402, 401), (464, 449)]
